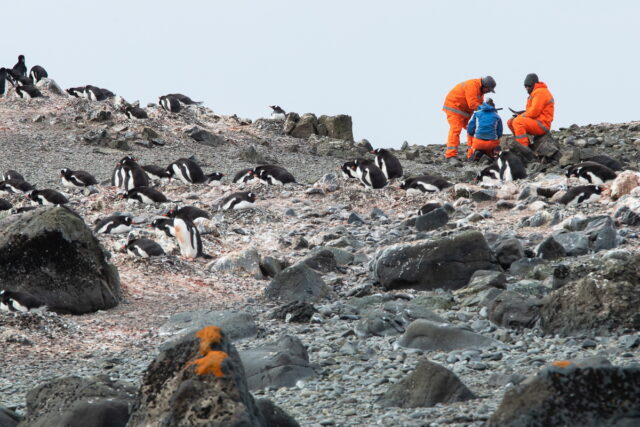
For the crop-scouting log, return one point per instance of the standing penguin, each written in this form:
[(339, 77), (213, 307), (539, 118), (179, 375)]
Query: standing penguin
[(388, 163), (188, 212), (21, 66), (133, 175), (237, 201), (186, 171), (369, 174), (37, 73), (76, 179), (591, 173), (144, 248), (510, 167), (188, 238), (114, 224), (48, 197)]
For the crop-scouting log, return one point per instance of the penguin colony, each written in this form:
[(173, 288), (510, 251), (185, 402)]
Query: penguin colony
[(136, 182)]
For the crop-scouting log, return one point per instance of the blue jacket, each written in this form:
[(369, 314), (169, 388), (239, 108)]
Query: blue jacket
[(485, 123)]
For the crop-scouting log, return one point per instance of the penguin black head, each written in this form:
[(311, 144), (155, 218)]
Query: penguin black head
[(20, 58), (251, 197), (64, 171)]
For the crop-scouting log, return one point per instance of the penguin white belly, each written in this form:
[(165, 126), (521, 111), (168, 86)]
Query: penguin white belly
[(120, 228), (359, 173), (506, 175), (187, 175), (275, 181), (5, 307), (383, 166), (277, 116), (428, 188), (244, 204), (366, 179), (146, 199), (183, 236), (592, 198), (45, 202), (227, 205), (414, 191), (177, 171), (595, 179), (19, 307), (67, 183), (215, 183), (138, 252)]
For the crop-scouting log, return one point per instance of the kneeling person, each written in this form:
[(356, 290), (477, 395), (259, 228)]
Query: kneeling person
[(485, 129)]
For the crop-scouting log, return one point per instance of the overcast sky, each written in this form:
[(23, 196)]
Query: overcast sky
[(387, 64)]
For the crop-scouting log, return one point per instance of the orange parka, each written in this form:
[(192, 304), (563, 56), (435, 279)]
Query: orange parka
[(540, 105), (465, 98)]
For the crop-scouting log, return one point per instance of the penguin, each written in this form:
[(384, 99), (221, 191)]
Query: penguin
[(15, 186), (135, 112), (237, 201), (213, 179), (144, 248), (76, 179), (510, 166), (581, 194), (164, 224), (428, 208), (156, 172), (591, 173), (369, 174), (3, 81), (94, 93), (277, 113), (114, 224), (424, 184), (184, 99), (188, 212), (21, 66), (23, 209), (186, 171), (48, 197), (244, 176), (188, 238), (276, 176), (609, 162), (259, 169), (133, 174), (491, 172), (11, 174), (28, 92), (348, 170), (77, 92), (37, 73), (16, 79), (170, 103), (5, 205), (19, 301), (146, 195), (388, 163)]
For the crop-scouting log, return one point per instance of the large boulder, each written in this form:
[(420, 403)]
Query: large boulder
[(243, 262), (51, 254), (205, 137), (297, 283), (79, 402), (305, 127), (436, 336), (432, 220), (280, 363), (8, 418), (174, 394), (336, 127), (513, 310), (573, 396), (428, 385), (236, 325), (446, 263)]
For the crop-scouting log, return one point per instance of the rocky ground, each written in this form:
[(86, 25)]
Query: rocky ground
[(538, 299)]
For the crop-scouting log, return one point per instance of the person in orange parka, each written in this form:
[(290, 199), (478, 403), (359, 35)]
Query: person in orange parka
[(460, 104), (537, 118)]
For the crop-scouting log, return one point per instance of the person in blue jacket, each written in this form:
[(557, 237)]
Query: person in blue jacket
[(485, 128)]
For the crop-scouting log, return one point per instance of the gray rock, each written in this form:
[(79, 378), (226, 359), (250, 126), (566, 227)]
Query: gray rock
[(484, 279), (550, 249), (546, 147), (297, 283), (294, 312), (524, 267), (627, 216), (275, 416), (205, 137), (602, 233), (305, 127), (173, 394), (336, 127), (573, 396), (8, 418), (428, 335), (574, 242), (428, 385), (323, 261), (379, 323), (280, 363), (341, 256), (250, 155), (49, 85), (377, 213), (290, 122), (79, 402), (508, 251), (51, 254), (236, 325), (270, 266), (100, 116), (446, 263), (328, 183), (433, 220), (354, 218), (513, 310), (247, 261)]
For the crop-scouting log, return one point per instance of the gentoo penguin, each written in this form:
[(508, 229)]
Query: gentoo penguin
[(133, 175), (388, 163), (214, 178), (17, 79), (424, 184), (591, 173), (188, 238), (188, 212), (48, 197), (428, 208), (114, 224), (348, 170), (135, 112), (15, 186), (276, 176), (184, 99), (186, 171), (28, 92), (76, 179), (609, 162), (258, 169), (77, 92), (491, 172), (277, 113), (11, 174), (145, 195), (3, 81), (144, 248), (244, 176), (21, 66), (237, 201), (510, 167), (94, 93), (5, 205), (581, 194), (37, 73), (164, 224), (369, 174), (19, 301), (156, 172), (170, 103)]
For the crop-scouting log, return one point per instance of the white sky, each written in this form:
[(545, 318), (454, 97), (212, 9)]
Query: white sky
[(387, 64)]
